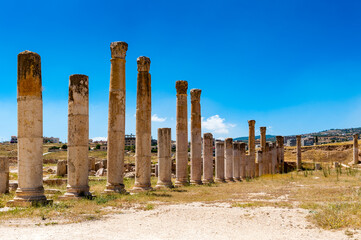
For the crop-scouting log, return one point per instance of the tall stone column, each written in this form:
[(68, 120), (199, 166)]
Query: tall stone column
[(228, 159), (196, 137), (4, 175), (30, 131), (259, 155), (266, 159), (164, 158), (78, 137), (298, 150), (219, 162), (280, 154), (355, 148), (251, 147), (263, 138), (143, 127), (236, 161), (274, 159), (116, 120), (242, 149), (181, 135), (207, 158)]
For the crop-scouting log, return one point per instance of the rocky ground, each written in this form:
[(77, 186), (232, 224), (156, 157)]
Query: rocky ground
[(188, 221)]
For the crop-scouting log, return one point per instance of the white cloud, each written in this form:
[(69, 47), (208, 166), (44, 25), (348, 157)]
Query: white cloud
[(217, 125), (155, 118), (99, 139)]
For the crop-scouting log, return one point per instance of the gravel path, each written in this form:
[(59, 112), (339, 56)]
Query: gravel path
[(186, 221)]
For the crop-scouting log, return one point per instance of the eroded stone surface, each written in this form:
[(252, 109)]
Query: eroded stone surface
[(207, 158), (196, 137), (164, 158)]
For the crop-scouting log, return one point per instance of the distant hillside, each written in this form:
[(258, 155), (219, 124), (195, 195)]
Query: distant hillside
[(336, 132), (268, 137)]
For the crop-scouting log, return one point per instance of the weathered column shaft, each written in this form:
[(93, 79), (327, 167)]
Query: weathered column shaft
[(164, 158), (251, 147), (4, 175), (30, 129), (242, 164), (181, 135), (298, 150), (207, 158), (116, 119), (259, 155), (280, 153), (263, 138), (196, 137), (143, 127), (266, 159), (355, 149), (219, 161), (78, 137), (274, 159), (236, 161), (228, 159)]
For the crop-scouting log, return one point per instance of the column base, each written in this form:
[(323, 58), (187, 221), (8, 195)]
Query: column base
[(229, 180), (219, 180), (161, 185), (111, 188), (181, 183), (196, 182), (25, 197), (77, 193), (207, 181), (238, 179), (140, 189), (28, 203)]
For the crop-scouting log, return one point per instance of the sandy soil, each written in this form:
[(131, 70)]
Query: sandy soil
[(187, 221)]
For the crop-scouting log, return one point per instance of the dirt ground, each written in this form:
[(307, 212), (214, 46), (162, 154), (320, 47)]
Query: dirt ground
[(188, 221)]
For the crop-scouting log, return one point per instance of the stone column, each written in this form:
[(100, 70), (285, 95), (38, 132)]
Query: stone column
[(242, 148), (207, 158), (298, 149), (274, 159), (263, 138), (251, 147), (116, 119), (78, 137), (355, 148), (30, 131), (196, 137), (266, 159), (228, 159), (164, 158), (219, 162), (181, 135), (280, 154), (236, 161), (143, 127), (259, 155), (4, 175)]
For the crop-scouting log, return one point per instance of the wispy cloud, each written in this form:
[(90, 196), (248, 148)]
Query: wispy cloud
[(217, 125), (155, 118), (99, 139)]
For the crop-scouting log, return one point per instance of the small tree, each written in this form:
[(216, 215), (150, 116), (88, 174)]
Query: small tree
[(64, 146), (97, 146)]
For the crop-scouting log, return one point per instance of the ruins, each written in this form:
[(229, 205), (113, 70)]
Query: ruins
[(196, 137), (207, 158), (298, 149), (164, 158)]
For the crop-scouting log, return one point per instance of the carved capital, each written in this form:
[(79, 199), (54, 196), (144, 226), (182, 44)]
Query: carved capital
[(181, 87), (118, 49), (207, 136), (251, 123), (143, 64), (196, 95), (262, 129)]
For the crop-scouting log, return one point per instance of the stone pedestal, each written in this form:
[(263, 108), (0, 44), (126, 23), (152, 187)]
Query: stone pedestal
[(280, 154), (236, 161), (4, 175), (164, 158), (219, 162), (207, 158), (196, 137), (116, 119), (143, 128), (228, 150), (355, 149), (181, 135), (61, 168), (251, 147), (243, 160), (78, 137), (30, 132), (298, 150)]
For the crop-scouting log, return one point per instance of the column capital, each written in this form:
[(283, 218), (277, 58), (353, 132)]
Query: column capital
[(196, 95), (355, 135), (181, 86), (118, 49), (228, 141), (143, 64), (219, 143), (298, 137), (236, 145), (251, 122), (207, 136), (262, 129)]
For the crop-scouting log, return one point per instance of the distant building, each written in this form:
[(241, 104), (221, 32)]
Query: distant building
[(103, 147), (14, 139), (130, 140), (50, 140), (308, 141), (291, 142)]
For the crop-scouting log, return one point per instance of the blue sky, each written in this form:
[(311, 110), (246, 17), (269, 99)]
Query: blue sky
[(293, 66)]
